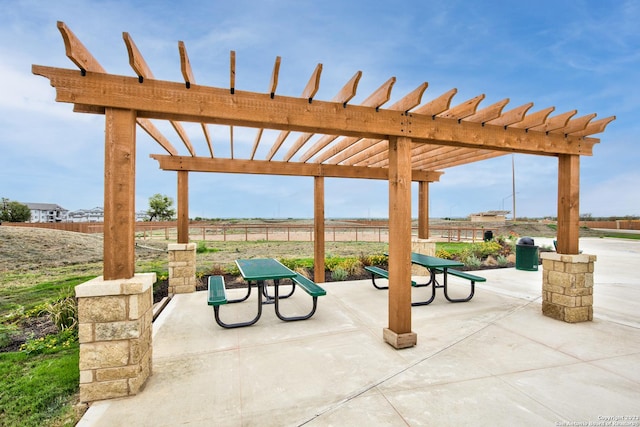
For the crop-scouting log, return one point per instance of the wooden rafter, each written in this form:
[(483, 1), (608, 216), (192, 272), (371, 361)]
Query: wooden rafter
[(189, 79), (348, 136), (79, 55), (362, 150), (378, 98), (141, 68), (273, 84), (345, 95), (232, 89), (407, 102), (309, 92)]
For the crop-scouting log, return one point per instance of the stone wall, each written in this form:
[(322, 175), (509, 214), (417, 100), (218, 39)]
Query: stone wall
[(182, 268), (114, 330), (567, 286)]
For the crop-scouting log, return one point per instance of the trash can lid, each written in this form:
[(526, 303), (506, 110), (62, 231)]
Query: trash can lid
[(526, 241)]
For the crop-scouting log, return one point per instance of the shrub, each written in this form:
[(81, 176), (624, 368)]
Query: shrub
[(201, 248), (442, 253), (216, 270), (63, 313), (378, 259), (339, 274), (502, 260), (472, 261)]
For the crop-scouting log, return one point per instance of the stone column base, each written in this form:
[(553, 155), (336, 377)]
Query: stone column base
[(182, 268), (114, 330), (399, 341), (424, 247), (567, 286)]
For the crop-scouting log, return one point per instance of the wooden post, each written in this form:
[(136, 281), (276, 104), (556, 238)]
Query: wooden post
[(399, 334), (183, 207), (423, 210), (318, 225), (568, 204), (119, 194)]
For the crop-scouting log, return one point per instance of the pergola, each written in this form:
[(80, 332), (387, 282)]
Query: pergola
[(404, 142)]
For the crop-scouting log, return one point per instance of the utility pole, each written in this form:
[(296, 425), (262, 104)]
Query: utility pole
[(513, 185)]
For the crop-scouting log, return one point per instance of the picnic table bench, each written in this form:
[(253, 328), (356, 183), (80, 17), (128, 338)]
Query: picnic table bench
[(435, 266), (258, 271)]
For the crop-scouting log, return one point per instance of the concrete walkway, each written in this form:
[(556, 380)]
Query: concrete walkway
[(494, 361)]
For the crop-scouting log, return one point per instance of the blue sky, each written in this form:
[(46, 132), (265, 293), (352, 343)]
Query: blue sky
[(582, 55)]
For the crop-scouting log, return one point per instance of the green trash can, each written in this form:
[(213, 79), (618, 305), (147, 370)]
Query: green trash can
[(526, 255)]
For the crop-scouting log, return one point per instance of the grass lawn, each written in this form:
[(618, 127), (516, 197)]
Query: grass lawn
[(39, 389)]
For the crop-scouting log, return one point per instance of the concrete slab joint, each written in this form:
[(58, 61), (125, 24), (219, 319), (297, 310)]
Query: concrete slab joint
[(114, 330), (182, 268), (567, 286)]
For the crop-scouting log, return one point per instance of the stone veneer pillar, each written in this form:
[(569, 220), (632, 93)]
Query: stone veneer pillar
[(114, 330), (182, 268), (567, 286), (424, 247)]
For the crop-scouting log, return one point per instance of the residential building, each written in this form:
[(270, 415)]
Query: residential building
[(47, 212)]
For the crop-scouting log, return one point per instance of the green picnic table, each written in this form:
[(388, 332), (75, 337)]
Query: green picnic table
[(257, 271), (435, 266)]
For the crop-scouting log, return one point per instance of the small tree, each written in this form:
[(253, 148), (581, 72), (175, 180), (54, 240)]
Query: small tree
[(14, 211), (160, 208)]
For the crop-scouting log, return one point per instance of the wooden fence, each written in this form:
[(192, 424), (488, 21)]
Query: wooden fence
[(269, 232)]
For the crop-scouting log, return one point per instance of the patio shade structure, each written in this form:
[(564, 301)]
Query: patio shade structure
[(404, 142)]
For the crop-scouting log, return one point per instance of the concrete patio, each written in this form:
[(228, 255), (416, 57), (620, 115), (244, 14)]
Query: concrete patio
[(495, 360)]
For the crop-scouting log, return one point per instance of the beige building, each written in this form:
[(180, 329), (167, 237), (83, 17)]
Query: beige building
[(490, 216)]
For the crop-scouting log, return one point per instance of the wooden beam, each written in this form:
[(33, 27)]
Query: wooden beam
[(119, 194), (400, 235), (597, 126), (77, 52), (556, 122), (139, 65), (533, 119), (379, 97), (171, 101), (189, 79), (232, 89), (568, 204), (423, 210), (318, 228), (263, 167), (154, 133), (313, 84), (405, 104), (437, 105), (273, 84), (463, 110), (576, 125), (489, 113), (512, 116), (308, 93), (362, 158), (183, 207)]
